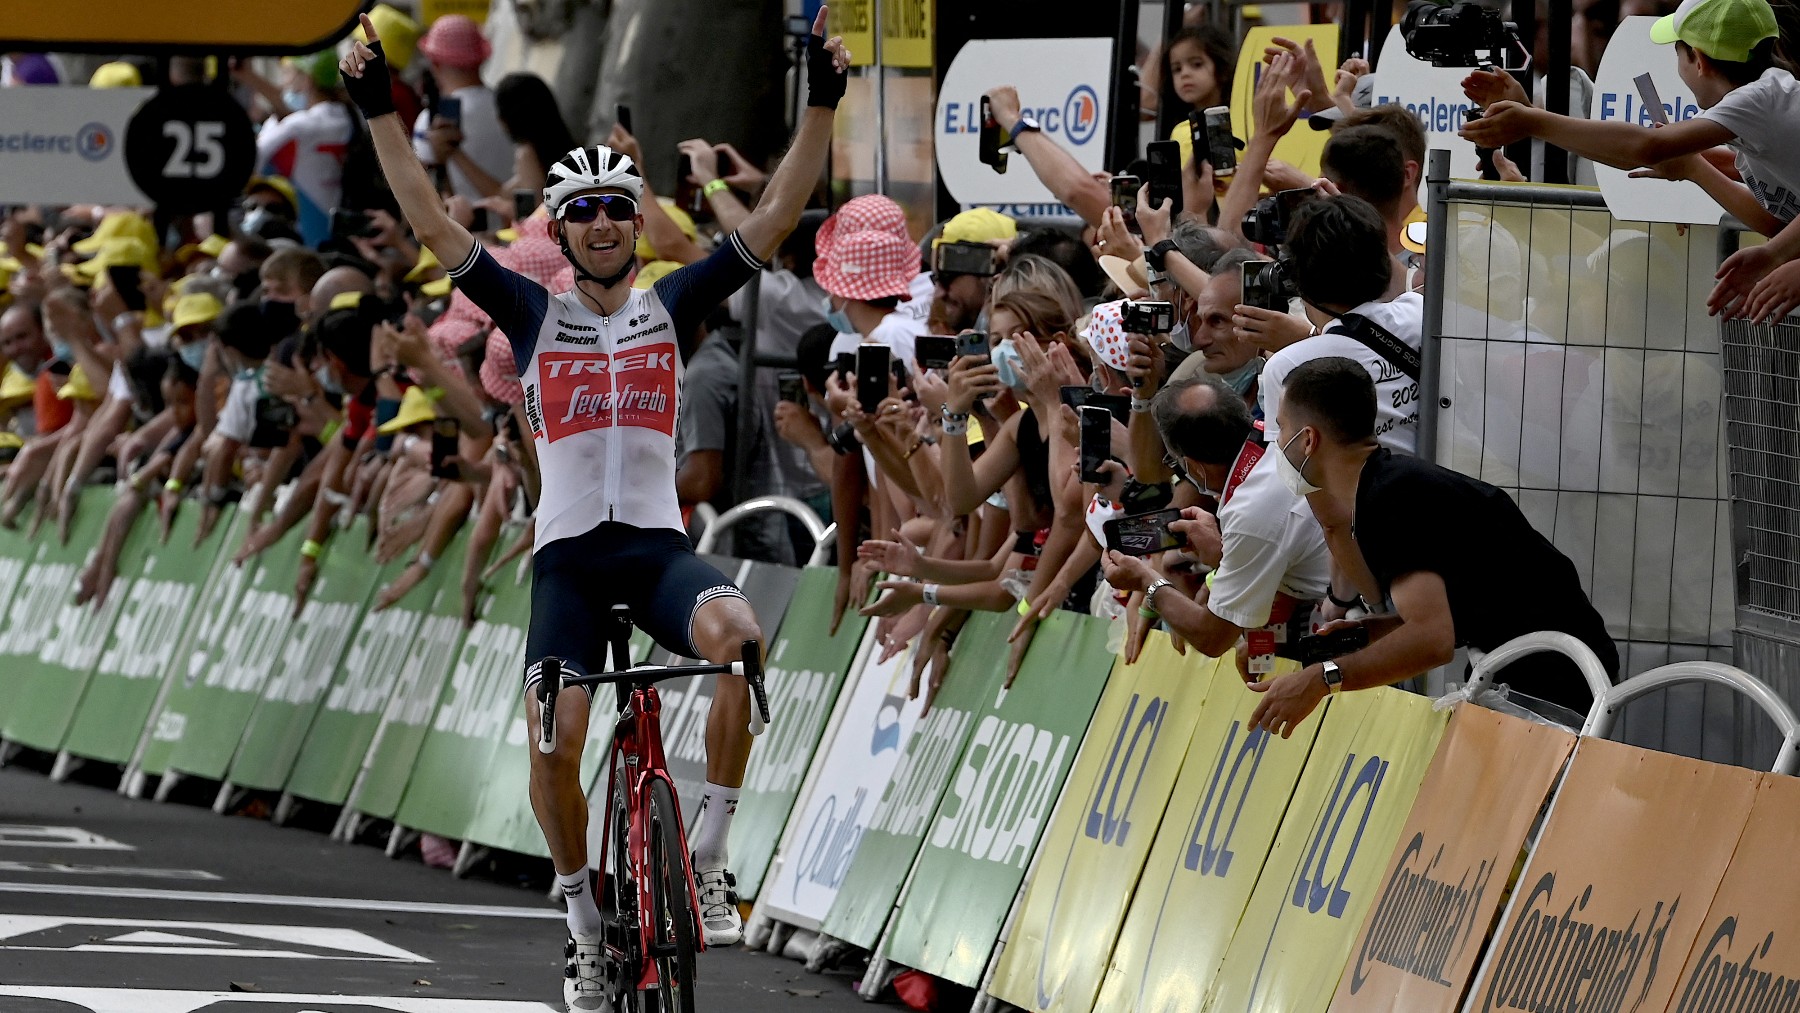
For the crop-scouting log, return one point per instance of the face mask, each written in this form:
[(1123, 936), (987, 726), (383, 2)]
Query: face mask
[(60, 349), (1178, 336), (193, 354), (838, 319), (294, 100), (1006, 361), (1241, 380), (1292, 477), (328, 381), (281, 317)]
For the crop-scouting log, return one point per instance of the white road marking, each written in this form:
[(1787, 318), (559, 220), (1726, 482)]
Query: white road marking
[(281, 900), (38, 932), (25, 835), (70, 869), (148, 1000)]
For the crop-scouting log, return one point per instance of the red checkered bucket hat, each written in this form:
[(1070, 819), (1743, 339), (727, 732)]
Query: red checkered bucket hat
[(869, 213), (455, 41), (868, 266)]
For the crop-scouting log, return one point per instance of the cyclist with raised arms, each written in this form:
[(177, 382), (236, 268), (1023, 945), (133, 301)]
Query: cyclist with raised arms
[(601, 367)]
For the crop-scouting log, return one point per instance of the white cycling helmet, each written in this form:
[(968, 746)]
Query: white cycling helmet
[(584, 169)]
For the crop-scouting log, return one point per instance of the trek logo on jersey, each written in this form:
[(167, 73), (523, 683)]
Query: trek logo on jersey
[(594, 390)]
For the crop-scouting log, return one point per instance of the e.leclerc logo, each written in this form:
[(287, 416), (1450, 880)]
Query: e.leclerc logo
[(1081, 114), (94, 141)]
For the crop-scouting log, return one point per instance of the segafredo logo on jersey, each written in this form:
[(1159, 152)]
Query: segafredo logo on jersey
[(595, 390)]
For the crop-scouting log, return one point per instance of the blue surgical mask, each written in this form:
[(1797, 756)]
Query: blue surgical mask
[(1246, 375), (193, 354), (294, 100), (1006, 361), (62, 350), (328, 381), (838, 319)]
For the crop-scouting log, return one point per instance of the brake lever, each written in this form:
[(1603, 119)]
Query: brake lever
[(753, 674), (549, 670)]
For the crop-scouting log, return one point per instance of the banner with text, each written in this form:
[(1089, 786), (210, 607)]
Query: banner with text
[(201, 644)]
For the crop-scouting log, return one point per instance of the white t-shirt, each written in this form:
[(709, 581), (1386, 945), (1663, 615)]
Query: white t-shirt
[(484, 139), (1271, 544), (1762, 114), (1396, 395), (237, 419), (308, 147), (896, 330)]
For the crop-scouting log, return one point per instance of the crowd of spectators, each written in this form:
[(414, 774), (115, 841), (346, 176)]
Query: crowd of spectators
[(297, 356)]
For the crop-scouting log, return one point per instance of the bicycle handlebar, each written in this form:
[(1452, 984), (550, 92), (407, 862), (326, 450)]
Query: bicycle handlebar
[(551, 674)]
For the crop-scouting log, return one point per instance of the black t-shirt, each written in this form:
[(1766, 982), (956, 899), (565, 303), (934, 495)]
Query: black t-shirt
[(1502, 577)]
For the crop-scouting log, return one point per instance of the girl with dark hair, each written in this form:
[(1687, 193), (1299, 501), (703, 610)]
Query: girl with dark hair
[(1200, 62), (533, 121)]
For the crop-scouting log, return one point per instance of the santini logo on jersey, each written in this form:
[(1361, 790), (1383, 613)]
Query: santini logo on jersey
[(594, 390)]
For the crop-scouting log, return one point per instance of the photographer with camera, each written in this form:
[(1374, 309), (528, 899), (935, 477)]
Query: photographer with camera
[(1266, 552), (1459, 561), (1338, 258)]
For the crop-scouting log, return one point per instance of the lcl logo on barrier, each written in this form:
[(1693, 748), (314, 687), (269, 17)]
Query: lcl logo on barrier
[(1077, 118), (1212, 857), (1106, 821)]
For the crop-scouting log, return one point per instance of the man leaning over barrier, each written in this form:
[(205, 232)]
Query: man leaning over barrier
[(1455, 556)]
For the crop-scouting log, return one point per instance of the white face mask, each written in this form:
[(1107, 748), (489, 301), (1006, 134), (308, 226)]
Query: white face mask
[(1294, 478)]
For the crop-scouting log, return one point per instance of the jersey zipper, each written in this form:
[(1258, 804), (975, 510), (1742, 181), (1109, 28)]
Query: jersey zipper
[(614, 469)]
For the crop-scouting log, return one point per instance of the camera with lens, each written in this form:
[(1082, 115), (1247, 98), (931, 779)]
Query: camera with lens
[(1462, 34), (1267, 222)]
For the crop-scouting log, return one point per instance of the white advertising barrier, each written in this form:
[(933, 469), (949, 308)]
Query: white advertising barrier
[(1065, 84), (66, 145), (1435, 96), (874, 723), (1628, 54)]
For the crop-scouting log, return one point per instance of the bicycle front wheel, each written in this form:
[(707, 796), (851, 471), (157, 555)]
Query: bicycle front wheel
[(672, 900)]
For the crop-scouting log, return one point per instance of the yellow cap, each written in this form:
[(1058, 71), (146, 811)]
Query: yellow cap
[(118, 225), (15, 387), (11, 441), (214, 245), (117, 74), (280, 185), (415, 407), (399, 34), (120, 251), (977, 225), (78, 388), (198, 308), (645, 251), (427, 263), (1412, 234), (436, 289), (653, 272), (346, 300)]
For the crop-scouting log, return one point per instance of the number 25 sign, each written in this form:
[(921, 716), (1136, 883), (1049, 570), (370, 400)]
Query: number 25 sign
[(190, 149)]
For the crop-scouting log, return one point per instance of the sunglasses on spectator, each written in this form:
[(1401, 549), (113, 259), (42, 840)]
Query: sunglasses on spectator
[(615, 206)]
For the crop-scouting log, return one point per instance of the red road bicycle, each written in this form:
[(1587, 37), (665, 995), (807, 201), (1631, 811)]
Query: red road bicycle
[(649, 902)]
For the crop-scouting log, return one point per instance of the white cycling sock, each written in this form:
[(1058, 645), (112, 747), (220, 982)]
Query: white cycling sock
[(718, 804), (584, 914)]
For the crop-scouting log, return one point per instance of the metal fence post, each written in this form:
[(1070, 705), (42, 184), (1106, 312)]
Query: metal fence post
[(1437, 232)]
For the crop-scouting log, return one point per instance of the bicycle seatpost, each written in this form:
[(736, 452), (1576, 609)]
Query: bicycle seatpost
[(753, 674), (549, 685)]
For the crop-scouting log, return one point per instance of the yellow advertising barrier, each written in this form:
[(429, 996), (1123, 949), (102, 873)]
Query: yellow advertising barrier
[(1617, 889), (1448, 876), (1102, 830), (1324, 870), (1222, 817), (906, 33), (1747, 957), (1302, 145), (855, 21)]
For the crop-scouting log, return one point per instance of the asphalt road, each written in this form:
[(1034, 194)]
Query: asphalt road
[(114, 905)]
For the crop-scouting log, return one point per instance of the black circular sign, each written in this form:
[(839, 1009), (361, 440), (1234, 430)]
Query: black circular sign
[(190, 149)]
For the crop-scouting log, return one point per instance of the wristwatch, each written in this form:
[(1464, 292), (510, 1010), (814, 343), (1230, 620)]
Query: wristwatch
[(1025, 124), (1153, 257), (1155, 586), (1333, 676)]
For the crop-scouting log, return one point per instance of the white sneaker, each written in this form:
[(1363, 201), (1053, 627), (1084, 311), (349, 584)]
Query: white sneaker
[(584, 976), (720, 921)]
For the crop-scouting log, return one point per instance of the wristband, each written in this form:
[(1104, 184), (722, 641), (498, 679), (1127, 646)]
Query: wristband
[(373, 92), (1140, 405), (930, 594), (714, 187), (174, 485), (1148, 613), (424, 560), (1340, 603), (824, 82), (330, 430), (311, 549)]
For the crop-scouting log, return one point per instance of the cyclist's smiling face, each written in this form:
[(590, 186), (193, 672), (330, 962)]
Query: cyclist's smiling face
[(602, 247)]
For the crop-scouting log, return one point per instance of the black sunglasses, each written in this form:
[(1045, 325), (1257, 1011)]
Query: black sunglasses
[(616, 206)]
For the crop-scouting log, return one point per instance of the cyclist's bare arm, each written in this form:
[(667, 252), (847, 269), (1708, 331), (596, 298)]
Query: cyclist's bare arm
[(418, 198)]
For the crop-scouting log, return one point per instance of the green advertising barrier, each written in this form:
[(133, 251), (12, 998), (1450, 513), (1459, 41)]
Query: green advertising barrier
[(50, 683), (440, 643), (347, 719), (988, 825), (892, 839), (309, 662), (804, 673), (248, 648), (479, 700), (159, 583), (18, 625), (1055, 953), (203, 641)]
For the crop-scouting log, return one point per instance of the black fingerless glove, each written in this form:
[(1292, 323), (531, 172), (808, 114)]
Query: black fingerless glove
[(373, 92), (824, 82)]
